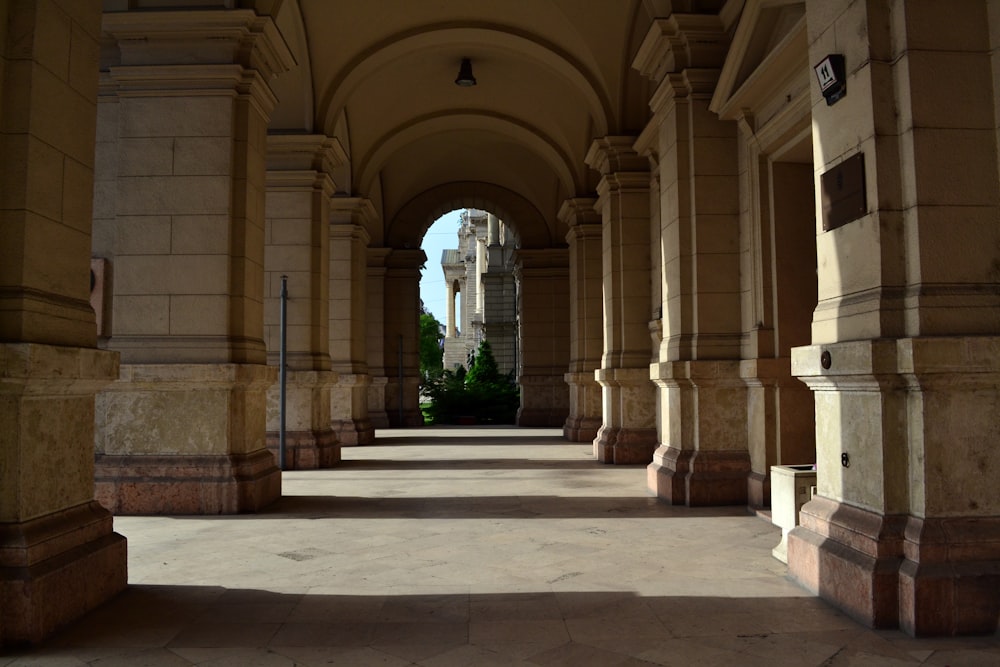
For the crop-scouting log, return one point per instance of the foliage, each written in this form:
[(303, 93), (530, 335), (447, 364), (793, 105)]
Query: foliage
[(482, 393), (431, 354)]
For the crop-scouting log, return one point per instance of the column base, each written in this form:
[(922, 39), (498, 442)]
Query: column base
[(625, 446), (55, 568), (306, 450), (581, 429), (183, 484), (354, 432), (949, 581), (544, 401), (699, 478), (850, 557), (376, 401)]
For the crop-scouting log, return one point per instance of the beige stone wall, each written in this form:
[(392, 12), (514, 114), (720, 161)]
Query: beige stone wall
[(59, 556)]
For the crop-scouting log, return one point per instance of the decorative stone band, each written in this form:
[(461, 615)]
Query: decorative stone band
[(699, 477), (206, 484), (306, 450), (56, 567), (851, 557)]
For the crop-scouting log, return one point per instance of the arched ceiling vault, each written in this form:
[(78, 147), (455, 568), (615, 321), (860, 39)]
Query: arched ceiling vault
[(553, 75), (407, 228)]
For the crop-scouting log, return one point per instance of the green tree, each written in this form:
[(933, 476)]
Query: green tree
[(482, 393), (431, 354), (483, 369)]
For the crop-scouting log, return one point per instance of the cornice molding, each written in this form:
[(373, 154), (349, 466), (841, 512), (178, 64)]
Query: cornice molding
[(199, 37)]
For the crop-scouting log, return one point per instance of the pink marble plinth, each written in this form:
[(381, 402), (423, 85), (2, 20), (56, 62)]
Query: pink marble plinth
[(351, 433), (307, 450), (849, 557), (699, 477), (55, 568), (206, 484), (581, 429), (625, 446), (949, 581)]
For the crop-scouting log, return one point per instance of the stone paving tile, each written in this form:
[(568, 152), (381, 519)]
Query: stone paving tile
[(445, 547)]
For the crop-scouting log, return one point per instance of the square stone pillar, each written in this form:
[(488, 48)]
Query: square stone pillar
[(904, 361), (376, 333), (543, 309), (297, 211), (628, 430), (703, 457), (179, 213), (586, 313), (402, 337), (777, 243), (349, 220), (59, 555)]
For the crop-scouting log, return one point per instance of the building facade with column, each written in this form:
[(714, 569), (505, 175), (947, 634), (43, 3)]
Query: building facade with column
[(749, 233), (480, 272)]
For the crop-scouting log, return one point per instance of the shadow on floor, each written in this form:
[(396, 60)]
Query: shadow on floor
[(166, 625)]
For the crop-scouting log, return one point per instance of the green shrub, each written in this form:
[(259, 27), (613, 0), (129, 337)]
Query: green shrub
[(482, 393)]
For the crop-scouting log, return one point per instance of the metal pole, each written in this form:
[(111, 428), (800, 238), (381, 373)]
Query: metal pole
[(282, 371)]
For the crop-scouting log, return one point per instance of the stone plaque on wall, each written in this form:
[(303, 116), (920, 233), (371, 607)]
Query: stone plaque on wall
[(843, 191)]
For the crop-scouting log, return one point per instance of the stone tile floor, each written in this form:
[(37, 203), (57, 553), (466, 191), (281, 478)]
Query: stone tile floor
[(443, 547)]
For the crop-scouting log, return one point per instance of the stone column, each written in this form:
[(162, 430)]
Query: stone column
[(905, 360), (628, 431), (179, 211), (543, 310), (376, 333), (402, 337), (450, 328), (59, 556), (586, 312), (299, 187), (349, 220), (453, 268), (702, 458)]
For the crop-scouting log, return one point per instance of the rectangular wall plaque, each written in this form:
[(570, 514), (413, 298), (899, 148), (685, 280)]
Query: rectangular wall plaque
[(844, 196)]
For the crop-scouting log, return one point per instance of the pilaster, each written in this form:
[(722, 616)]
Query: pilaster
[(59, 554), (349, 220), (402, 334), (702, 457), (299, 186), (903, 366), (375, 304), (628, 430), (586, 308), (179, 212), (544, 335)]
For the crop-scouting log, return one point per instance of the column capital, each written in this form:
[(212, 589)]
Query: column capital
[(620, 183), (579, 211), (316, 152), (238, 37), (377, 257), (406, 258), (612, 154), (681, 41), (352, 210), (542, 261)]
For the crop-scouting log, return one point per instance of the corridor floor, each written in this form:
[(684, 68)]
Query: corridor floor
[(441, 547)]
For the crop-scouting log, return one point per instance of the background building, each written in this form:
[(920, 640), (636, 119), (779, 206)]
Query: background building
[(481, 273)]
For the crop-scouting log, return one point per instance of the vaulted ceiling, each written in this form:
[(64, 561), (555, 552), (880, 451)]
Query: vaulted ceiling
[(379, 76)]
